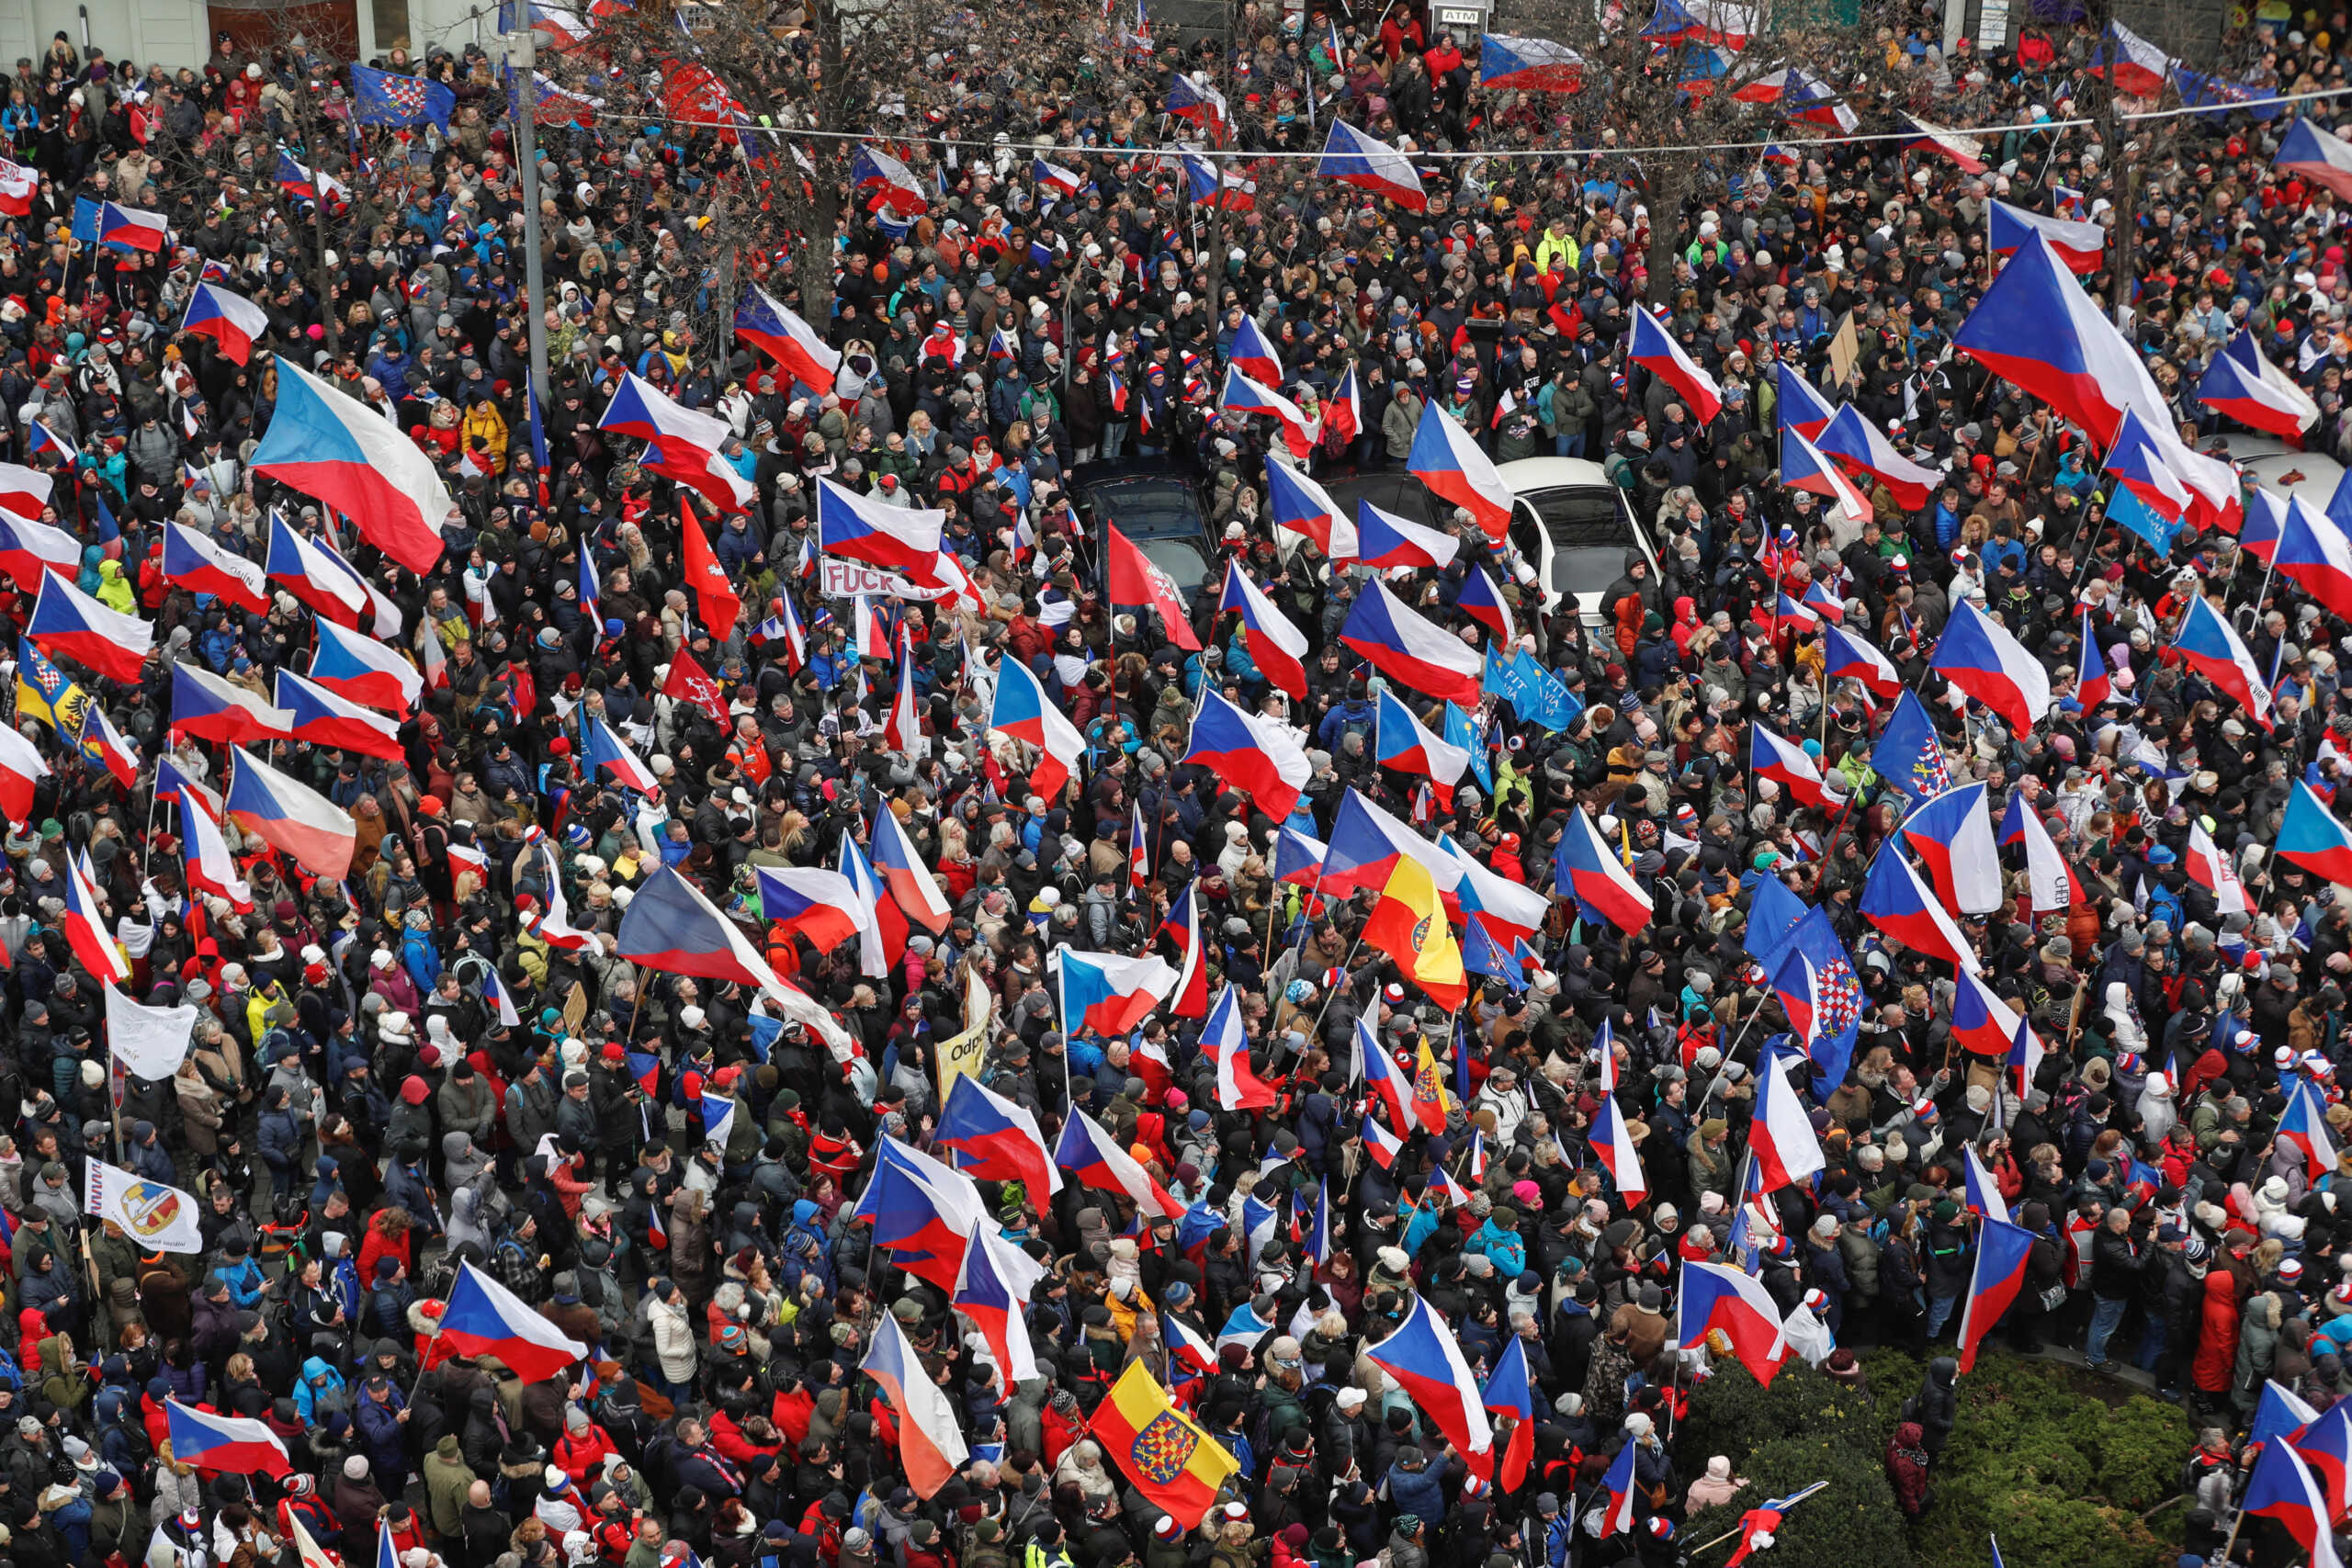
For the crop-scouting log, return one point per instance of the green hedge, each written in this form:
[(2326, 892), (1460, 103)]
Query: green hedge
[(2057, 1464)]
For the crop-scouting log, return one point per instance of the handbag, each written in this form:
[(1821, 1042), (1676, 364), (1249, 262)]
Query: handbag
[(2054, 1298)]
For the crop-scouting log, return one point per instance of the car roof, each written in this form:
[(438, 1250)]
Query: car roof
[(1148, 500), (1551, 473)]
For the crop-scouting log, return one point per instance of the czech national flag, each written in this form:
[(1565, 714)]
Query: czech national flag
[(670, 926), (1278, 647), (331, 447), (2036, 327), (363, 669), (196, 563), (2282, 1487), (1779, 1136), (290, 817), (777, 330), (1859, 444), (1250, 753), (131, 227), (808, 901), (1190, 997), (305, 570), (2304, 1124), (2208, 644), (1382, 1080), (484, 1318), (1509, 1391), (2311, 152), (1954, 834), (2002, 1251), (1770, 757), (229, 1444), (1983, 1023), (30, 550), (1588, 871), (1343, 409), (1024, 711), (322, 719), (1894, 899), (1297, 503), (1617, 1505), (2131, 63), (1253, 355), (1110, 993), (2242, 384), (1803, 409), (1408, 649), (1226, 1046), (70, 624), (85, 927), (1386, 540), (1802, 467), (602, 750), (1240, 394), (1402, 742), (2313, 839), (1979, 655), (231, 320), (886, 183), (2082, 246), (992, 1290), (1612, 1145), (1353, 158), (903, 873), (2326, 1445), (1455, 468), (1654, 350), (1716, 1298), (2137, 457), (1532, 65), (1095, 1159), (930, 1441), (1983, 1193), (895, 538), (1482, 603), (43, 440), (1379, 1143), (2313, 550), (1848, 657), (2093, 683), (995, 1139), (210, 868), (1366, 842), (923, 1211), (1424, 1357)]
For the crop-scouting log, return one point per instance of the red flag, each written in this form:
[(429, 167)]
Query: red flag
[(688, 684), (1135, 581), (714, 597)]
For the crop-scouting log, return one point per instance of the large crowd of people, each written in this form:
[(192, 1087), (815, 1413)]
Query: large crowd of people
[(443, 1060)]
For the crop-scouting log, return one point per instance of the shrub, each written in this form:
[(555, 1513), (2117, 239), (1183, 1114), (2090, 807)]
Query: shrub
[(2055, 1462)]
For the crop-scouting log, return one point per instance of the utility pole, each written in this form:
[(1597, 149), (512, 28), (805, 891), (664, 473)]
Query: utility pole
[(523, 57)]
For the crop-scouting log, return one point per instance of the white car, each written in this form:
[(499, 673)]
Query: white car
[(2279, 469), (1573, 527)]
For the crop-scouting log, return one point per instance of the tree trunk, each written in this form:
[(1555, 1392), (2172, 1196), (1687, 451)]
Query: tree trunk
[(1666, 183)]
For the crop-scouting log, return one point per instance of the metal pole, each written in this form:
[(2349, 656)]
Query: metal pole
[(522, 54)]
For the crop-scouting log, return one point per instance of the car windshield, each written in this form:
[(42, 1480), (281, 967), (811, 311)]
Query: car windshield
[(1589, 534), (1181, 559)]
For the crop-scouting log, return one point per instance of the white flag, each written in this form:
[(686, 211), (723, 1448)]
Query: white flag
[(151, 1041), (159, 1218)]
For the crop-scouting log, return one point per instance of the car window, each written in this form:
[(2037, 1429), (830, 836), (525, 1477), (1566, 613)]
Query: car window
[(1586, 515), (1182, 561)]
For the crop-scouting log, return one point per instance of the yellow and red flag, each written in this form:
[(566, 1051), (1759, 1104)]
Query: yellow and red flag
[(1172, 1462), (1409, 925)]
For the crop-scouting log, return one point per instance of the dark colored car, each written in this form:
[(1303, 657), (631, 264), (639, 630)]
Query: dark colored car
[(1157, 506)]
